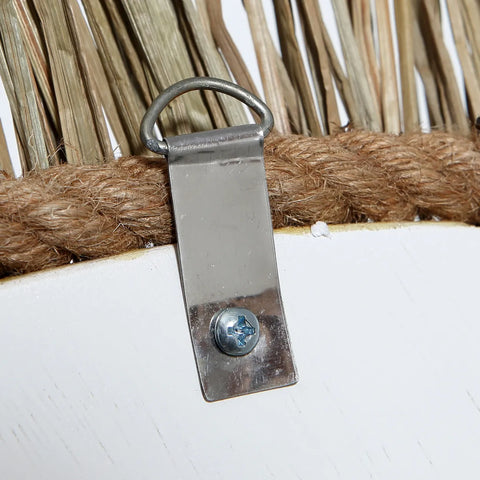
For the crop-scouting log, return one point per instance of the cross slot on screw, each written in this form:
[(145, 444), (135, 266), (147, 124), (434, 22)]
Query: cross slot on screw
[(236, 331)]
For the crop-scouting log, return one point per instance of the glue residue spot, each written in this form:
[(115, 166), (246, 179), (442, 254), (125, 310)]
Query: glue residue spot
[(320, 229)]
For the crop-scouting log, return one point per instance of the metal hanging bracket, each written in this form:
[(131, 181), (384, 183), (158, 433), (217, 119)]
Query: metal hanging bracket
[(226, 250)]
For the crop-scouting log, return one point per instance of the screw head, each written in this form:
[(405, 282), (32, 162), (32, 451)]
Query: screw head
[(236, 330)]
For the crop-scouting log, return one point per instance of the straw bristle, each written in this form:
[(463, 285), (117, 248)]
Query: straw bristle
[(5, 160), (72, 69)]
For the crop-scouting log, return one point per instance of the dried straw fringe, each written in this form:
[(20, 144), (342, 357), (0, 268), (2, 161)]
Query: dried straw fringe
[(68, 213), (62, 70)]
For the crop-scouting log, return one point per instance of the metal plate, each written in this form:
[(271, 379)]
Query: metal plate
[(227, 256)]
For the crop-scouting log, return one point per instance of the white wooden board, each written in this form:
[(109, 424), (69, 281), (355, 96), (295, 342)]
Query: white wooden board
[(98, 379)]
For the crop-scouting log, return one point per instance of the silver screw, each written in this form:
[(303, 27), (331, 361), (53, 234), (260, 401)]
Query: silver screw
[(236, 330)]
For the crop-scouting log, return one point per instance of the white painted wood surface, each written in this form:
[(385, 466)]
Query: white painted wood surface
[(98, 379)]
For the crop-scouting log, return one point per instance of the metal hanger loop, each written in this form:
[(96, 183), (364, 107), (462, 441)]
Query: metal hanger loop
[(158, 145)]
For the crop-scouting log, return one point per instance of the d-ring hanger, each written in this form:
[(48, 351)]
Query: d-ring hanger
[(159, 145), (225, 248)]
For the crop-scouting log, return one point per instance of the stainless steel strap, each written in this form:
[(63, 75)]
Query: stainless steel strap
[(227, 260)]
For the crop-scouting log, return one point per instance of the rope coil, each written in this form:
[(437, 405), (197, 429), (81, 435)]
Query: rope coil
[(70, 213)]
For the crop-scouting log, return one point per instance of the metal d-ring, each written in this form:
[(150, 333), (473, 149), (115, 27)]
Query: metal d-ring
[(159, 146)]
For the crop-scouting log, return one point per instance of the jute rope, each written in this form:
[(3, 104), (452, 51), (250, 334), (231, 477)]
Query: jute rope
[(69, 213)]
